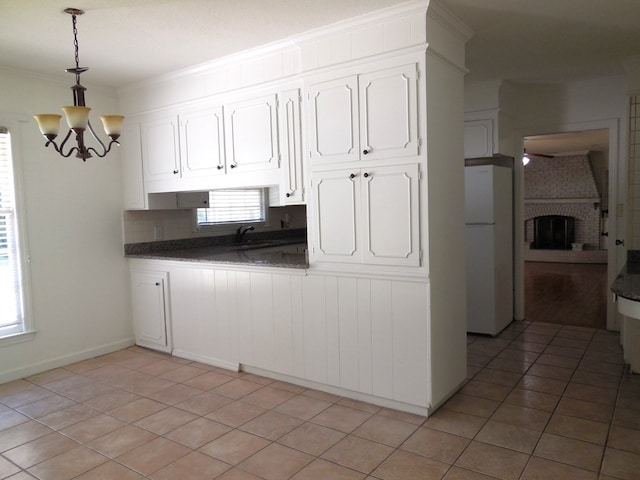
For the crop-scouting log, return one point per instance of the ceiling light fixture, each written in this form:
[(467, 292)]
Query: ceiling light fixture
[(78, 115)]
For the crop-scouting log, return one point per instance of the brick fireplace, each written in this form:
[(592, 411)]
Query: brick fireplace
[(562, 209)]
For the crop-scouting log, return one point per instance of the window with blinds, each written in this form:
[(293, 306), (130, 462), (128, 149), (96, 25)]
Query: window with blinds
[(11, 297), (233, 206)]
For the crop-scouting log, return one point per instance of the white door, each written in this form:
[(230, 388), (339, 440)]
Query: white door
[(333, 121), (389, 113), (149, 309), (202, 143), (251, 132), (336, 212), (391, 216), (160, 149)]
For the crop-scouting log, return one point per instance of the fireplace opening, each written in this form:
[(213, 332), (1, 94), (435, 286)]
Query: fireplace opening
[(553, 232)]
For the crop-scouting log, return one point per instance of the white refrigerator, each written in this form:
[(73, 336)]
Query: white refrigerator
[(489, 247)]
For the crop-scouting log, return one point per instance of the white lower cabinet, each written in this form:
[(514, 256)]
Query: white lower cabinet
[(150, 304), (345, 334)]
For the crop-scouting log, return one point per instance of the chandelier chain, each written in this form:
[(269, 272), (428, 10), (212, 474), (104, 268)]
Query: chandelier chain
[(75, 45)]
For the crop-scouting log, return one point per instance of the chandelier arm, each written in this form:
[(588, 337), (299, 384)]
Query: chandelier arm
[(61, 148), (97, 138), (105, 151)]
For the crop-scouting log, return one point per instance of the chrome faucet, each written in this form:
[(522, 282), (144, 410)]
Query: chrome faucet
[(242, 230)]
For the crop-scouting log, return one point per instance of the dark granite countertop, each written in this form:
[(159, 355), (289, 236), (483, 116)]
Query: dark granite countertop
[(269, 249), (627, 283)]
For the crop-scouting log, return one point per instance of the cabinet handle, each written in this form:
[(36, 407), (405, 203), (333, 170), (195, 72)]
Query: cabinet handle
[(352, 176), (234, 165), (365, 151), (288, 194), (175, 172), (220, 167), (366, 175), (157, 284)]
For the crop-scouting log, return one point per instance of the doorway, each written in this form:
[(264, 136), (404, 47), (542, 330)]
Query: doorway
[(566, 206)]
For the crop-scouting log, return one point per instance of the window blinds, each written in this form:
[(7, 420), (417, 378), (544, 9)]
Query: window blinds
[(233, 206), (11, 314)]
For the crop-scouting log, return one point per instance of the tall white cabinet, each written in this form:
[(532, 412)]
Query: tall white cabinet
[(362, 122)]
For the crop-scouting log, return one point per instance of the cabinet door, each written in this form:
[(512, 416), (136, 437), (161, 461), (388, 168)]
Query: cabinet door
[(149, 303), (333, 122), (132, 176), (202, 143), (251, 131), (336, 210), (389, 113), (478, 138), (291, 189), (391, 218), (160, 149)]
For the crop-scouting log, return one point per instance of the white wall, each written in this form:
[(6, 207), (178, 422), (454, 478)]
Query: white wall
[(79, 278)]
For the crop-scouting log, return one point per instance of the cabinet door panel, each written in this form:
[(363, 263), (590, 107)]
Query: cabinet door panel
[(388, 113), (334, 121), (290, 147), (160, 151), (391, 216), (251, 134), (337, 205), (202, 143), (149, 309), (478, 138)]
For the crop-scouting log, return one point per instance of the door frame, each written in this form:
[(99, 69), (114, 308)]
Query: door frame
[(616, 255)]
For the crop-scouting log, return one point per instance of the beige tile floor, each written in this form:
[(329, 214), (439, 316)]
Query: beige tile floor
[(543, 401)]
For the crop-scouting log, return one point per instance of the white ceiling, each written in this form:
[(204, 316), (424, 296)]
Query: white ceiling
[(126, 41)]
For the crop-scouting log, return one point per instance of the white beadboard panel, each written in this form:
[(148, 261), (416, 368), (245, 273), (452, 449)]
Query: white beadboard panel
[(368, 41), (283, 323), (365, 353), (244, 305), (225, 312), (410, 342), (297, 322), (348, 338), (332, 299), (399, 32), (341, 46), (314, 329), (262, 320), (382, 338)]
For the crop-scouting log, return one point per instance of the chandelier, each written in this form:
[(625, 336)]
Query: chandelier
[(78, 115)]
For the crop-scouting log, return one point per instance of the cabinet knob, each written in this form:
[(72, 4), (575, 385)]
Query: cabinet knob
[(233, 165), (352, 176), (366, 175), (175, 172), (288, 195), (220, 167), (157, 284), (365, 151)]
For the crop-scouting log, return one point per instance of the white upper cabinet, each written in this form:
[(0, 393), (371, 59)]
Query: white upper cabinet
[(478, 138), (160, 148), (202, 143), (368, 215), (389, 113), (252, 134), (333, 125), (291, 186), (369, 116)]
